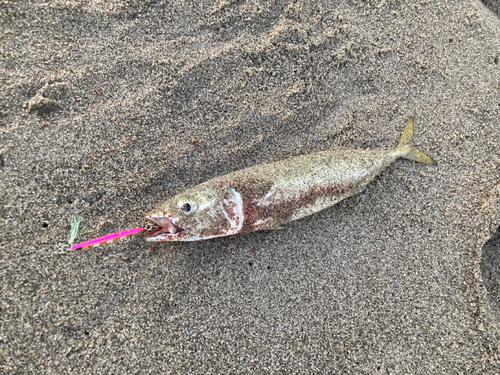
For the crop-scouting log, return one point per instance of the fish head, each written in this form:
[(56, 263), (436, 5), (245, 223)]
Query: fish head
[(199, 213)]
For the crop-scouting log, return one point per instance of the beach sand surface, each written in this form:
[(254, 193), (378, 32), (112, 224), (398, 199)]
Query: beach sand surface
[(109, 108)]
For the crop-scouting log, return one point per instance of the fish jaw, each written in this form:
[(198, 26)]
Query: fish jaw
[(163, 229)]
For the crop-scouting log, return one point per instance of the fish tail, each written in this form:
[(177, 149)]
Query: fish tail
[(408, 151)]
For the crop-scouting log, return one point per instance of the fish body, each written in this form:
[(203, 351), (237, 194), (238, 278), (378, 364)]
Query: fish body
[(269, 195)]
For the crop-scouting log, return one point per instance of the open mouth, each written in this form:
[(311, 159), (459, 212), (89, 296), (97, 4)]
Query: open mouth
[(163, 229)]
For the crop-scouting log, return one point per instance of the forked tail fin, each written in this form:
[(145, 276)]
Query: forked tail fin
[(408, 151)]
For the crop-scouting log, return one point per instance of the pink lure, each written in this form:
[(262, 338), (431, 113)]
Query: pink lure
[(107, 239)]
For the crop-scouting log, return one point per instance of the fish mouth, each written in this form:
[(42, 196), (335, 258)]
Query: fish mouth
[(163, 229)]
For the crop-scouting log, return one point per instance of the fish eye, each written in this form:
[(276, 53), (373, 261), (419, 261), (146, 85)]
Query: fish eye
[(186, 206)]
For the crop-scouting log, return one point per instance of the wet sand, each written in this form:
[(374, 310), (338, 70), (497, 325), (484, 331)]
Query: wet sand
[(107, 109)]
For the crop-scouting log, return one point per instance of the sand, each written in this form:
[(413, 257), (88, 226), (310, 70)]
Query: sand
[(107, 109)]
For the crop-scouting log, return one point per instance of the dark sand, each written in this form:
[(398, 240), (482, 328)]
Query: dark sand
[(109, 109)]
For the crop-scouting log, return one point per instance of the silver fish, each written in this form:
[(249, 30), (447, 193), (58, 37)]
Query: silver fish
[(269, 195)]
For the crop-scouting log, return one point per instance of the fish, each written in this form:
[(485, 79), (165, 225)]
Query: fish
[(269, 195)]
